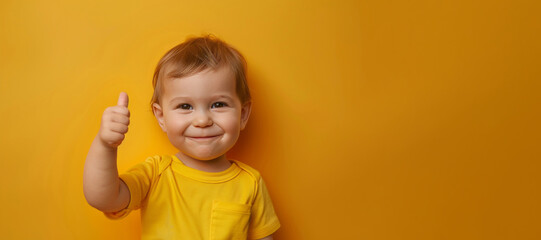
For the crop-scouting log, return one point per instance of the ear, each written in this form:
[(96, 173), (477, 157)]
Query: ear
[(245, 114), (158, 113)]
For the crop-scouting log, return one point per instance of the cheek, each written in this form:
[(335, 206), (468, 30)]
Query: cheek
[(230, 123), (176, 123)]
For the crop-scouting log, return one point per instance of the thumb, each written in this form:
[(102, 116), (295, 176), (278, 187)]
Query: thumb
[(123, 99)]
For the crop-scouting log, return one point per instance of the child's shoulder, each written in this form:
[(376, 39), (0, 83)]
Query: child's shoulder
[(159, 162), (250, 170)]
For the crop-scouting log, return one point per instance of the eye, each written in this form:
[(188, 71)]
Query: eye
[(219, 105), (185, 106)]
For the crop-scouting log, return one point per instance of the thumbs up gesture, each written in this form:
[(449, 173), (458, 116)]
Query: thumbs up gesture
[(114, 122)]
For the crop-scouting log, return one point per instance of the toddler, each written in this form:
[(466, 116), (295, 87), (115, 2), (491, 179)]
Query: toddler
[(201, 101)]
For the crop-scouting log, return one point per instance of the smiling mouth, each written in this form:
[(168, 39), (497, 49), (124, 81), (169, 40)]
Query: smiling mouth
[(204, 138)]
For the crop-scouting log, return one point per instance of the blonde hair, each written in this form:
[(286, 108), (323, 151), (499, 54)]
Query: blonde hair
[(195, 55)]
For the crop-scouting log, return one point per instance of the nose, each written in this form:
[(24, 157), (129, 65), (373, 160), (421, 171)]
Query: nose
[(202, 119)]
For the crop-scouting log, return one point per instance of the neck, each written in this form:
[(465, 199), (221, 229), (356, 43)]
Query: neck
[(213, 165)]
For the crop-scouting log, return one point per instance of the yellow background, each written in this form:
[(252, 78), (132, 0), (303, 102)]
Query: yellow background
[(372, 119)]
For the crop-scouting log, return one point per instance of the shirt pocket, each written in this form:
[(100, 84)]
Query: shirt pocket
[(229, 220)]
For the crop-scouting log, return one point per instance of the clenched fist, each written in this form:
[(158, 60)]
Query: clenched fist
[(114, 122)]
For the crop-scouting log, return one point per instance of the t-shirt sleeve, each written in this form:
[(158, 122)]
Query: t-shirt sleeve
[(264, 221), (138, 179)]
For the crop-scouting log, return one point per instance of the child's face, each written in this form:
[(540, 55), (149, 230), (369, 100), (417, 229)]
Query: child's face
[(202, 114)]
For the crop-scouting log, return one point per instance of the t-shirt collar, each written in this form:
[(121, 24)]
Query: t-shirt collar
[(208, 177)]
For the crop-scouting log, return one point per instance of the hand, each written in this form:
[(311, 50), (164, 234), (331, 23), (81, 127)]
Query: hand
[(114, 122)]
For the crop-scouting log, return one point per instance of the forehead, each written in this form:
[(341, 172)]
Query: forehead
[(206, 83)]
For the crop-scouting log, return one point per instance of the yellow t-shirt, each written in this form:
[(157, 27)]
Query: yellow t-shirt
[(178, 202)]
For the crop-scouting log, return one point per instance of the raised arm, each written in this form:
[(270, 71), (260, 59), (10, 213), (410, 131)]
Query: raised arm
[(102, 187)]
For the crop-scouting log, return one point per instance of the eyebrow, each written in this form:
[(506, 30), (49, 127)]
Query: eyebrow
[(225, 96), (216, 97), (177, 98)]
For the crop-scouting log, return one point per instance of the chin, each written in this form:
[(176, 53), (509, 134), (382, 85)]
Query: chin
[(205, 157)]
